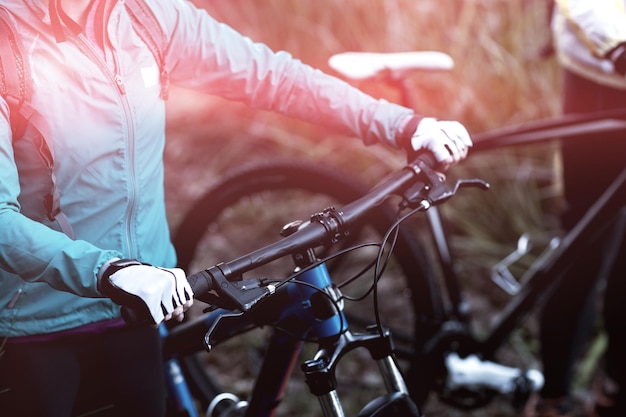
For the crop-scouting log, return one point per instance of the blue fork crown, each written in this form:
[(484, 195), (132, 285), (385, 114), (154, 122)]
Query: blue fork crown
[(319, 303)]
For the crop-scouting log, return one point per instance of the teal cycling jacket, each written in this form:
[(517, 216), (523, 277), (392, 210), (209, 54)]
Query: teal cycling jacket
[(107, 122)]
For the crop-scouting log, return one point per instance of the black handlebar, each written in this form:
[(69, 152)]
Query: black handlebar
[(417, 183), (310, 234)]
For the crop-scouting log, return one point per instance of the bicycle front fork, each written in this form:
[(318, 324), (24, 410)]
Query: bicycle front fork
[(320, 376)]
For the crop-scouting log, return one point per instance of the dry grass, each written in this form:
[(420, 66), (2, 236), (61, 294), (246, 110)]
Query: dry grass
[(499, 78)]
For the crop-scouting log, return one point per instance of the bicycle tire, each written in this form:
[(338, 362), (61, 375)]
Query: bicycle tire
[(312, 178)]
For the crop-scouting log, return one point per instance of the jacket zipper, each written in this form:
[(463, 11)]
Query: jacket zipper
[(87, 49)]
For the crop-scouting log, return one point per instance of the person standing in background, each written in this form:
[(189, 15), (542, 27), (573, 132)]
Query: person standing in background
[(590, 42)]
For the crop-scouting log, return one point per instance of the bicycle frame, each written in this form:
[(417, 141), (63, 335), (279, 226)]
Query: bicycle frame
[(179, 395), (546, 273)]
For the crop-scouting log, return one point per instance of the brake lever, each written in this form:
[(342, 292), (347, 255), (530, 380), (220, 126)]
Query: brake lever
[(236, 294), (444, 193), (434, 190)]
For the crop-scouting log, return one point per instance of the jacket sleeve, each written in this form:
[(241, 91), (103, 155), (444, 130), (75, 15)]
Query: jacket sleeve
[(601, 25), (32, 250), (211, 57)]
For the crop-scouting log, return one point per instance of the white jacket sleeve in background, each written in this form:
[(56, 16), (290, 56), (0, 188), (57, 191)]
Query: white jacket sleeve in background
[(584, 32), (600, 25)]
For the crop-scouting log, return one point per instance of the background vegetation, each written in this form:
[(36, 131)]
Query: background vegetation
[(501, 78)]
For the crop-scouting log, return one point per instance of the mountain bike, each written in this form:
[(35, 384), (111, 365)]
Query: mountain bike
[(439, 345), (307, 306)]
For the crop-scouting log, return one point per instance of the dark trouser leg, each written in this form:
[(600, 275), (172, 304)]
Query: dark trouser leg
[(118, 371), (589, 166), (125, 370), (39, 379), (615, 320)]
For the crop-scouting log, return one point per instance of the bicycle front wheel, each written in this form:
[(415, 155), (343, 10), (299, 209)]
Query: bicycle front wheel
[(249, 207)]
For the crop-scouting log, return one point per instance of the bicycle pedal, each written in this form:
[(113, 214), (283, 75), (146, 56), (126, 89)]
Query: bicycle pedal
[(473, 372)]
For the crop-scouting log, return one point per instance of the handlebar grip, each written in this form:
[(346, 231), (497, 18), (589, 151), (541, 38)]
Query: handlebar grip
[(427, 158), (138, 314), (136, 317), (201, 283)]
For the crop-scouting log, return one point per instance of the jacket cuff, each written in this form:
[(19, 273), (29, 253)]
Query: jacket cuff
[(617, 56), (403, 140)]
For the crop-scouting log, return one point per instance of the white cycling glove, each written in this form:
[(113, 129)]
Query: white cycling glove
[(150, 292), (449, 141)]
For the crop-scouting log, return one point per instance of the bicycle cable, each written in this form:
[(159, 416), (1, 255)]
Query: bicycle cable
[(394, 230), (380, 264)]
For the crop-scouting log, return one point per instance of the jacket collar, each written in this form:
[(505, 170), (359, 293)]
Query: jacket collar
[(60, 20), (51, 12)]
